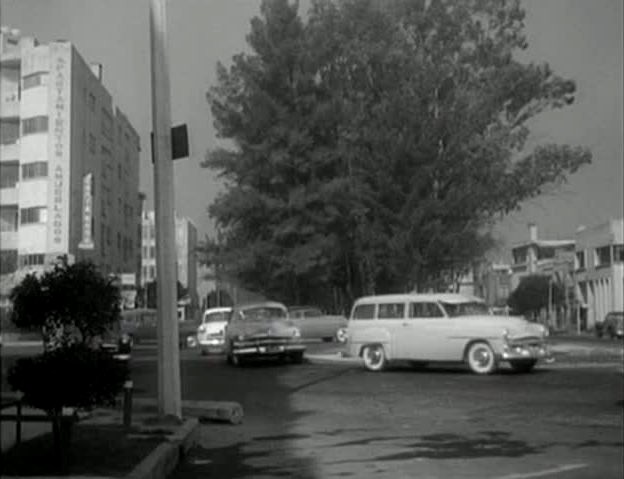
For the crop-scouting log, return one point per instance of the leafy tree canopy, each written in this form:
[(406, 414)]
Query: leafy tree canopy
[(71, 302), (534, 294), (375, 142)]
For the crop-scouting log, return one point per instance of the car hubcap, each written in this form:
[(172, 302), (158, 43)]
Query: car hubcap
[(482, 358), (374, 356)]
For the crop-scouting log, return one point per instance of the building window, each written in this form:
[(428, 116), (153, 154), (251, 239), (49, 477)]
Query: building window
[(107, 124), (603, 256), (152, 272), (118, 240), (152, 252), (8, 218), (91, 102), (520, 256), (8, 261), (9, 174), (9, 131), (37, 169), (34, 80), (618, 253), (580, 260), (91, 143), (36, 124), (31, 259), (545, 253), (37, 214)]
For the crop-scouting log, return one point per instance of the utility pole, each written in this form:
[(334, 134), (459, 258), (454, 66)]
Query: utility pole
[(169, 390)]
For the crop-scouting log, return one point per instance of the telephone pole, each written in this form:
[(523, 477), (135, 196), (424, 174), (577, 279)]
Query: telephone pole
[(169, 390)]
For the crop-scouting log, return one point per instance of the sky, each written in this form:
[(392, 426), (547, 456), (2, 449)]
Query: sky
[(580, 39)]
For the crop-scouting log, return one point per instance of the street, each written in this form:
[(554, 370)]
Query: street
[(338, 420), (334, 419)]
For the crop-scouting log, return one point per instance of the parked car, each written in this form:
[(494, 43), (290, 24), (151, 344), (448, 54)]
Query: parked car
[(314, 324), (612, 326), (425, 328), (262, 330), (211, 331)]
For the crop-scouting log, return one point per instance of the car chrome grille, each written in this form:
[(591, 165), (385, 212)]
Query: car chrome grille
[(265, 341)]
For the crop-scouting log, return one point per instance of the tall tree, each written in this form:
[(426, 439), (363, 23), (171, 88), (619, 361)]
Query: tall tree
[(376, 143)]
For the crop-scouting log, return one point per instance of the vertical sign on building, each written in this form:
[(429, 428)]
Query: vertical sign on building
[(59, 112), (87, 212)]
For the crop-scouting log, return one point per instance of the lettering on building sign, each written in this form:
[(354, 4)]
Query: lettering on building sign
[(58, 134), (87, 212)]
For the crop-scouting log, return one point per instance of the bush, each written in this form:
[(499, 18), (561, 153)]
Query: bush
[(72, 376)]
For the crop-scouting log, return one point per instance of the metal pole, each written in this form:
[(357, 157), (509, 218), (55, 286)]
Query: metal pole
[(169, 395)]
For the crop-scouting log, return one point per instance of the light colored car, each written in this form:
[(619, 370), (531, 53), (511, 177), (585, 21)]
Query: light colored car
[(211, 331), (314, 324), (262, 330), (442, 327)]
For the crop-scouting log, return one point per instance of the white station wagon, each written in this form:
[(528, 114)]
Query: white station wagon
[(425, 328)]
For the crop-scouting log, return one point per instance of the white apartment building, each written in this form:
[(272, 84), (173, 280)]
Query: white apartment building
[(69, 163), (186, 250), (599, 271)]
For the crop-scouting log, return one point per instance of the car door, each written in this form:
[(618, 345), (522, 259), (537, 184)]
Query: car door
[(424, 332), (391, 317)]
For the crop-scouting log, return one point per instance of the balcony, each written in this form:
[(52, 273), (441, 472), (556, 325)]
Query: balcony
[(8, 196), (11, 59), (9, 152), (10, 106), (9, 239)]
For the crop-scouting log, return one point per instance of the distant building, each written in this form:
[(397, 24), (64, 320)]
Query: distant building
[(186, 250), (69, 164), (540, 256), (599, 271), (494, 284)]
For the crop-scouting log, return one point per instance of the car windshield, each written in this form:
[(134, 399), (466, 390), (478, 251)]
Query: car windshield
[(465, 309), (213, 317), (262, 313)]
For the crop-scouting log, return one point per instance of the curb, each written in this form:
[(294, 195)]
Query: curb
[(164, 459)]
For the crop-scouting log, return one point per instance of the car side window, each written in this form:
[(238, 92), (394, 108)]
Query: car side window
[(364, 311), (391, 311), (425, 310)]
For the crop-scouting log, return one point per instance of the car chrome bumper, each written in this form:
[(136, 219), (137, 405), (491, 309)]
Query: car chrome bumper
[(513, 352), (268, 349)]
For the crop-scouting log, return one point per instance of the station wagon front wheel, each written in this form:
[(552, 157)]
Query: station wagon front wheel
[(374, 357), (481, 358)]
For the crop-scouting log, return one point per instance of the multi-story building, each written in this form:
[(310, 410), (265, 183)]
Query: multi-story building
[(186, 250), (599, 271), (69, 163), (539, 256)]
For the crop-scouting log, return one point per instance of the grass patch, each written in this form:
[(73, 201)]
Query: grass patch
[(103, 450)]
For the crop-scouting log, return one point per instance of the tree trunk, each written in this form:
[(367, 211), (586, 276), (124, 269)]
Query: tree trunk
[(61, 431)]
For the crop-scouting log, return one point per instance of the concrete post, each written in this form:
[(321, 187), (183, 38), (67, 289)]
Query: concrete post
[(169, 391)]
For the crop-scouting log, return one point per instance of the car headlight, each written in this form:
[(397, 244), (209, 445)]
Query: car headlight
[(240, 337), (296, 333), (545, 332), (125, 338), (506, 335), (201, 329)]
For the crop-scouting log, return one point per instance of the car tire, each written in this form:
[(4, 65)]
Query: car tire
[(523, 366), (297, 357), (374, 357), (481, 359)]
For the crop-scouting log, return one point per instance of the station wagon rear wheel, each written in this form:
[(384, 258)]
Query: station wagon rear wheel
[(341, 335), (481, 358), (374, 357)]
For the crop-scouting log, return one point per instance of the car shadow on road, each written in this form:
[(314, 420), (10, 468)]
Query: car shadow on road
[(454, 369)]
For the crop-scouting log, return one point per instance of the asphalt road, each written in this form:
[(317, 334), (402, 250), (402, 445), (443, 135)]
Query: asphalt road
[(334, 419), (338, 420)]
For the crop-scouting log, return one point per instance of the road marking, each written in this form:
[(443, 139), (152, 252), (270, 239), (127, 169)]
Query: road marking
[(545, 472)]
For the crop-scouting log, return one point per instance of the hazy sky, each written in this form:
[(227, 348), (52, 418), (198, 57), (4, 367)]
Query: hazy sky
[(581, 39)]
